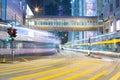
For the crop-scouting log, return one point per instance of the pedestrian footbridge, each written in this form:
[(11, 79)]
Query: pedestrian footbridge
[(66, 23)]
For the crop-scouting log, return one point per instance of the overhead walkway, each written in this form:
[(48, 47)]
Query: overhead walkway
[(66, 23)]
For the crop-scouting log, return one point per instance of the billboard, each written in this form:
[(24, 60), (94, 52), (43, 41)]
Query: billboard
[(91, 7)]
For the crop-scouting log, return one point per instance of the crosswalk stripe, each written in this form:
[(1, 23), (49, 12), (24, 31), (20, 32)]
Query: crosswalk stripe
[(17, 67), (78, 75), (23, 70), (13, 65), (98, 75), (30, 67), (20, 68), (35, 74), (116, 76), (58, 74)]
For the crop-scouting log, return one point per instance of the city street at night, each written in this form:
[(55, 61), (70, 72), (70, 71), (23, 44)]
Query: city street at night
[(66, 65), (59, 39)]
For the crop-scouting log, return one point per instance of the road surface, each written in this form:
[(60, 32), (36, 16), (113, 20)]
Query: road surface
[(65, 65)]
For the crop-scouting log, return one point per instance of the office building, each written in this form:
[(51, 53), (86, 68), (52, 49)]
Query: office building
[(111, 15), (13, 11), (83, 8)]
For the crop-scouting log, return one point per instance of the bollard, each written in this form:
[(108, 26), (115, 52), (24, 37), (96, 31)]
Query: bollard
[(88, 53), (3, 59)]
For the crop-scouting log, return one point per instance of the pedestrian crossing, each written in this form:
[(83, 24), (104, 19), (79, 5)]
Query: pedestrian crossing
[(98, 75), (78, 75), (59, 69), (116, 76)]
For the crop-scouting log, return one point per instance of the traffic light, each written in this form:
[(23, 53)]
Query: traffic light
[(12, 32), (7, 40)]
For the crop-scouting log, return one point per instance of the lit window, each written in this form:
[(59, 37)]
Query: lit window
[(111, 27), (118, 25)]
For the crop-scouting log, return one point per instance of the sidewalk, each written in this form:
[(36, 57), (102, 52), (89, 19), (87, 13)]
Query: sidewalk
[(103, 53)]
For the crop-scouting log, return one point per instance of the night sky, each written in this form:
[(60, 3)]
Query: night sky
[(51, 7)]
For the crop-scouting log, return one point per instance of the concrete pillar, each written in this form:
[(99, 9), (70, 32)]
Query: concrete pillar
[(114, 23), (70, 36)]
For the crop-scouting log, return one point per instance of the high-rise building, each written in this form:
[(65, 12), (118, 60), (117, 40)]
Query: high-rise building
[(54, 7), (111, 15), (50, 7), (13, 11), (66, 7), (0, 10), (83, 8)]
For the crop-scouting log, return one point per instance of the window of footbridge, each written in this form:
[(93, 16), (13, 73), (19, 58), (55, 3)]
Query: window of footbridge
[(63, 23)]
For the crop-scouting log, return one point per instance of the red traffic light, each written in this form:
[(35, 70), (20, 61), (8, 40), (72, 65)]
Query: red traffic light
[(12, 32)]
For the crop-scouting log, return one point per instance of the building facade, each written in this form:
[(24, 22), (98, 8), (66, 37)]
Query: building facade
[(111, 15), (82, 8), (13, 11), (0, 8)]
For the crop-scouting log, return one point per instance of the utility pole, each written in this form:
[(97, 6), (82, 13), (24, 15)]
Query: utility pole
[(89, 47), (12, 33), (12, 50)]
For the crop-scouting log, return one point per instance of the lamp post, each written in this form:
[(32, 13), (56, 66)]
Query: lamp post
[(36, 9)]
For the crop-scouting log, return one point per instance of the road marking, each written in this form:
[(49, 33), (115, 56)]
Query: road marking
[(58, 74), (32, 67), (25, 59), (78, 75), (17, 67), (116, 76), (12, 68), (20, 67), (98, 75), (23, 70), (36, 74)]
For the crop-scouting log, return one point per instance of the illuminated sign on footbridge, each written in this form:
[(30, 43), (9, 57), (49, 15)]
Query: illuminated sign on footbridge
[(63, 23)]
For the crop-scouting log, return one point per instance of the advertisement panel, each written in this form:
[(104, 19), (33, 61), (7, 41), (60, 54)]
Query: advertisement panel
[(91, 7)]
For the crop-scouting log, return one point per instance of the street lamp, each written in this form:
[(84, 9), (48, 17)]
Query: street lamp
[(36, 9)]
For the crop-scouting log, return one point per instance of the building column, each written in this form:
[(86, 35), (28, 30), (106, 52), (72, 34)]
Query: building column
[(70, 36)]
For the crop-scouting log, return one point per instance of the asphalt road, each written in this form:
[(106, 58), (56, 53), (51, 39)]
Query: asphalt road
[(66, 65)]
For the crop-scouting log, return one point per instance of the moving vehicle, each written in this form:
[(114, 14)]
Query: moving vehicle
[(27, 42), (104, 42)]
